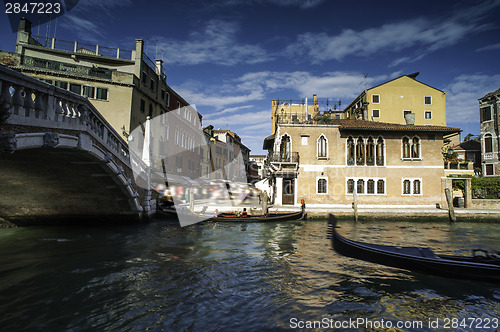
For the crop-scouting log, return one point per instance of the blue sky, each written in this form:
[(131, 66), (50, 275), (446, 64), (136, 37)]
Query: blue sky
[(232, 57)]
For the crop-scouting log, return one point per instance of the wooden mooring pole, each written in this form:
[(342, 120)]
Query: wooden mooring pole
[(449, 200), (355, 205)]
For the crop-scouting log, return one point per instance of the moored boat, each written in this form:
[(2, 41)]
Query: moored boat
[(481, 265)]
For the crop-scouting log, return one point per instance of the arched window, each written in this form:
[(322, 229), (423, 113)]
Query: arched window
[(415, 147), (380, 152), (488, 143), (406, 187), (370, 187), (285, 147), (322, 186), (360, 151), (322, 147), (380, 187), (150, 113), (370, 152), (406, 148), (416, 187), (360, 188), (350, 186), (350, 151)]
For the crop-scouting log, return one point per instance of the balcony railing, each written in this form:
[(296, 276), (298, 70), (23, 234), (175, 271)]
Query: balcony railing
[(67, 67), (292, 157)]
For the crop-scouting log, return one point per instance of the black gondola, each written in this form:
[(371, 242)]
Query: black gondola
[(484, 267), (170, 213)]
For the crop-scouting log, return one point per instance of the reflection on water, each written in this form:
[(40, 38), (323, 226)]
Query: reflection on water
[(227, 276)]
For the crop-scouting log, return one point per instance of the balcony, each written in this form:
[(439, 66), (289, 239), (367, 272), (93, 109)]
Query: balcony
[(283, 162)]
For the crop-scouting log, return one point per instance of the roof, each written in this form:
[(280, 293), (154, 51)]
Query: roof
[(467, 145), (497, 92), (349, 124)]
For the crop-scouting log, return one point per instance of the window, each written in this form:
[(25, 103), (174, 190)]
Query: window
[(412, 186), (489, 169), (428, 114), (380, 151), (88, 91), (143, 106), (416, 187), (370, 152), (168, 99), (62, 85), (406, 112), (415, 148), (428, 100), (360, 187), (485, 113), (375, 114), (322, 186), (144, 77), (102, 94), (162, 93), (152, 84), (150, 113), (380, 186), (370, 187), (322, 147), (76, 88), (360, 151), (488, 143), (376, 99), (406, 187), (350, 186), (350, 151), (303, 139), (411, 147)]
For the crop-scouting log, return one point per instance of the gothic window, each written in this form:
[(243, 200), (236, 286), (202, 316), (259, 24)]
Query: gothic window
[(370, 152), (322, 147), (285, 147), (350, 151), (360, 151), (415, 148), (416, 187), (360, 188), (380, 151), (406, 148)]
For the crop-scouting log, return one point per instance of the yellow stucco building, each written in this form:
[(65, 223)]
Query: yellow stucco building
[(391, 101)]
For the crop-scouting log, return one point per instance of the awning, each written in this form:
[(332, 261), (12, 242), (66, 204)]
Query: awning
[(268, 142)]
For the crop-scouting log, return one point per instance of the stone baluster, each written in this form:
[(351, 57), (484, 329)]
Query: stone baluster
[(17, 98), (59, 111), (5, 96), (40, 105), (29, 105)]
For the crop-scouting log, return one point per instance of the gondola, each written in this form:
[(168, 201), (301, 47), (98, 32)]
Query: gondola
[(268, 217), (170, 213), (480, 266)]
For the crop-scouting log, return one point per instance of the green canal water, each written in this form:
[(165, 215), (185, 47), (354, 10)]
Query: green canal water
[(236, 277)]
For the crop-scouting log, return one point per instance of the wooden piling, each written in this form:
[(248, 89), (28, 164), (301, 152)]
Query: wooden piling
[(355, 205), (449, 200)]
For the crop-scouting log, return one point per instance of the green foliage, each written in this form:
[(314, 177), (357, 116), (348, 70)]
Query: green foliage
[(485, 187)]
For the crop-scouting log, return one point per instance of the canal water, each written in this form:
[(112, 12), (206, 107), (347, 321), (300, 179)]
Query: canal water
[(235, 277)]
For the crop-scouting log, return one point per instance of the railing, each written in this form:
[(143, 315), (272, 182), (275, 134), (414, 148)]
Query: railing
[(33, 101), (74, 46), (149, 62), (488, 156), (67, 67), (292, 157)]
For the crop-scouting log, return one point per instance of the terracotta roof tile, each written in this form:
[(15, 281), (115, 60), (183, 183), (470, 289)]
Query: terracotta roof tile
[(348, 124)]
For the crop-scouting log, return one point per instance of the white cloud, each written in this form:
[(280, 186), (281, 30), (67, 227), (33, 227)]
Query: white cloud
[(216, 43), (489, 48), (305, 4), (463, 94), (226, 111), (427, 35)]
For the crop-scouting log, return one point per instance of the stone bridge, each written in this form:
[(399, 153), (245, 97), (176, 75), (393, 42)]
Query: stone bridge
[(60, 160)]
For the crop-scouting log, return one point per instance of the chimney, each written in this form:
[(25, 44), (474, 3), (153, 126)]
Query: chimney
[(139, 50), (23, 34), (159, 67)]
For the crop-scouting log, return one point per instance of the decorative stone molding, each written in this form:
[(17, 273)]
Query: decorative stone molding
[(50, 140), (8, 142)]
